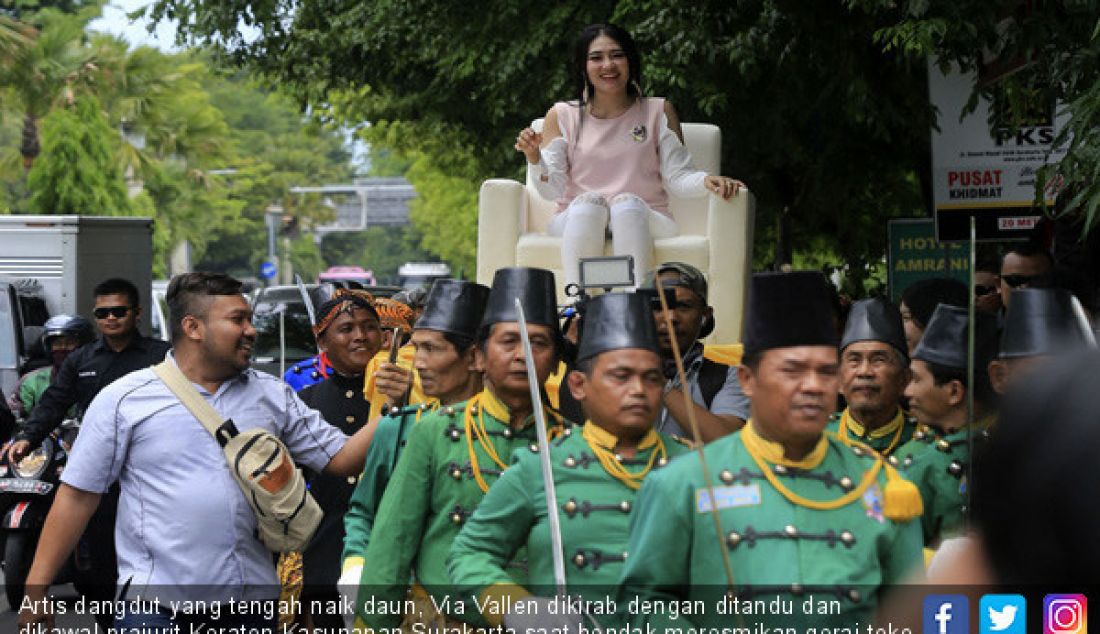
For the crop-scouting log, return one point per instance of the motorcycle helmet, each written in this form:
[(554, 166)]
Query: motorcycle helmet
[(73, 326)]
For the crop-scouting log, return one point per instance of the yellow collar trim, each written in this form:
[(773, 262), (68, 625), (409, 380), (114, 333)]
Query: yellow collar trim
[(492, 406), (857, 428), (757, 446), (847, 422), (600, 436), (773, 452), (603, 444)]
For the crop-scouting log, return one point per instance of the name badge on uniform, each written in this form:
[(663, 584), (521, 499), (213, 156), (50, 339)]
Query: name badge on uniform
[(86, 373), (728, 497)]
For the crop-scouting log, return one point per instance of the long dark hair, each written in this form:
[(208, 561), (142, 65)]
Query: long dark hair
[(579, 71)]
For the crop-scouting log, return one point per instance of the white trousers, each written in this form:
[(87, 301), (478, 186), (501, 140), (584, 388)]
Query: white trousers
[(583, 225)]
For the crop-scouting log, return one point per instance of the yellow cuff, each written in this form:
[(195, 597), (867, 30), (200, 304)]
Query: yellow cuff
[(502, 595), (352, 562)]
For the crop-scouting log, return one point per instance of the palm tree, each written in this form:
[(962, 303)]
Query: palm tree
[(158, 102), (14, 37), (57, 63)]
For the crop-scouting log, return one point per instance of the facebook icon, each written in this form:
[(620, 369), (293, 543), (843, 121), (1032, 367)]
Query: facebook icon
[(946, 614)]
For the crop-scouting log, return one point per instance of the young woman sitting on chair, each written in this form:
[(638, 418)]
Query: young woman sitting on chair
[(612, 157)]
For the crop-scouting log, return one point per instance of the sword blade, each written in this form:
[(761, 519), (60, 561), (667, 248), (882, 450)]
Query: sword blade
[(544, 453)]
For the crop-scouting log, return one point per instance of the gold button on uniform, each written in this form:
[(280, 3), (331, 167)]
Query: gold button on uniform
[(349, 394), (350, 419)]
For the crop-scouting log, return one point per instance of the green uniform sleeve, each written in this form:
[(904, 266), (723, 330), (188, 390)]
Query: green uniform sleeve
[(398, 528), (921, 472), (364, 502), (658, 568), (497, 529)]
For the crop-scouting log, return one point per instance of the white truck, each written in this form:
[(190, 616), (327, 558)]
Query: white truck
[(50, 264)]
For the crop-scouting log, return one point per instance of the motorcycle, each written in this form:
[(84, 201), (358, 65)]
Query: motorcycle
[(27, 489)]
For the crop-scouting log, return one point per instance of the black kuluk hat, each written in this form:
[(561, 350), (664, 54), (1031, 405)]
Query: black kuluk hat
[(614, 321), (535, 289), (875, 319), (788, 309), (454, 306), (944, 341), (1043, 321)]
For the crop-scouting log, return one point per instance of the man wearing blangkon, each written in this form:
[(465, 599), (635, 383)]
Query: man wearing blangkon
[(185, 529)]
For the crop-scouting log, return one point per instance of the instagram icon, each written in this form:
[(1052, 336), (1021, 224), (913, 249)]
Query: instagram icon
[(1065, 614)]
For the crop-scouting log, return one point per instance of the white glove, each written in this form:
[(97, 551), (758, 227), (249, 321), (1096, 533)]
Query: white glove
[(546, 615), (348, 586)]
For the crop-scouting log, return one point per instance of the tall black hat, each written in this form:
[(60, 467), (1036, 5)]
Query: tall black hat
[(944, 341), (614, 321), (789, 309), (1043, 321), (534, 288), (875, 319), (454, 306)]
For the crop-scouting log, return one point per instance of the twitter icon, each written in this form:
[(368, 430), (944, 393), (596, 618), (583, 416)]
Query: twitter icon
[(1003, 614)]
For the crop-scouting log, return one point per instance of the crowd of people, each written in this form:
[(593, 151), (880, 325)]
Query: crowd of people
[(438, 510), (675, 475)]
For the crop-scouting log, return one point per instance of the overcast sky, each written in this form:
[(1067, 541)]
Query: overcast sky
[(114, 20)]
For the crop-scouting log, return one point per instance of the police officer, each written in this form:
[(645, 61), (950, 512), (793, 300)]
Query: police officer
[(455, 453), (874, 370), (444, 359), (802, 513), (598, 469), (120, 349)]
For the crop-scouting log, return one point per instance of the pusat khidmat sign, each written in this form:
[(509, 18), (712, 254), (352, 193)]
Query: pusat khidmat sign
[(986, 173)]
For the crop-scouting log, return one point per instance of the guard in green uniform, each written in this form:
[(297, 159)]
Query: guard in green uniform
[(453, 455), (444, 338), (597, 473), (802, 514), (1040, 323), (937, 463), (874, 370)]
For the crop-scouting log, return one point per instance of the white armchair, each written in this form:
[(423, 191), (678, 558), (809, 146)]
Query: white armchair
[(715, 235)]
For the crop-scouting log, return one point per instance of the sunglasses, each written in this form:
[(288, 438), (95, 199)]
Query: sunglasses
[(1016, 281), (118, 312), (981, 290)]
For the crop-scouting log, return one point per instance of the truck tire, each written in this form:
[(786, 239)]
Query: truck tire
[(18, 555)]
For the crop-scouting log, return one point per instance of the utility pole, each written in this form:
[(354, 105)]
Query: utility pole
[(273, 218)]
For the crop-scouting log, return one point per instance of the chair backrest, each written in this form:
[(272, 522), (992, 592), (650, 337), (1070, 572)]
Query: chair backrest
[(702, 140)]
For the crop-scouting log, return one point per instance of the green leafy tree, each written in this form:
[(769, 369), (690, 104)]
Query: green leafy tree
[(79, 171), (274, 149), (49, 72), (1055, 49), (798, 89), (824, 106)]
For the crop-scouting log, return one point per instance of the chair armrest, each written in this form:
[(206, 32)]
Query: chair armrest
[(501, 207), (730, 225)]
